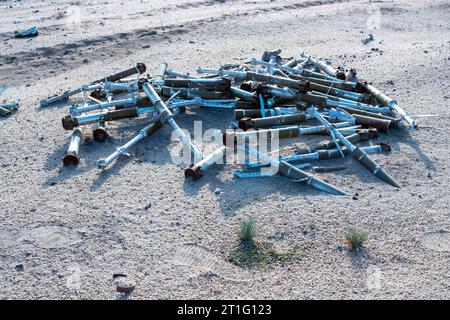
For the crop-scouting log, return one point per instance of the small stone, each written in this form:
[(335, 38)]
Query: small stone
[(123, 283), (145, 46), (19, 267), (148, 206), (218, 191)]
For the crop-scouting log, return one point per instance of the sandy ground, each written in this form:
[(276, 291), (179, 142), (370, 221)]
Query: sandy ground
[(64, 232)]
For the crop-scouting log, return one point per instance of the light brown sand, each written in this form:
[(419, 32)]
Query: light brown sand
[(73, 228)]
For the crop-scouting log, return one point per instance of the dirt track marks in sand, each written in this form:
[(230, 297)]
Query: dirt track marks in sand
[(48, 61)]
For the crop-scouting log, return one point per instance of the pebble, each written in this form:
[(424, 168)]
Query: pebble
[(124, 284)]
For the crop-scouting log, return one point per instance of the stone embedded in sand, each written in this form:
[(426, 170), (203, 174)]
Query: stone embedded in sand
[(124, 284)]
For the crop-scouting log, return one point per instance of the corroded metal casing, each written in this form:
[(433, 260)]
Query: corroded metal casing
[(100, 133), (98, 94), (350, 75), (370, 114), (268, 55), (207, 84), (267, 122), (373, 167), (380, 96), (365, 134), (329, 84), (359, 136), (4, 112), (283, 133), (300, 84), (249, 86), (190, 93), (244, 95), (251, 113), (196, 171), (359, 97), (70, 122), (380, 124), (332, 154), (72, 155), (139, 68), (290, 171), (245, 105)]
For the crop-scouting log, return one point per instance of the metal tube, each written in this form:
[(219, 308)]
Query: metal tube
[(356, 152), (143, 133), (302, 72), (139, 68), (359, 97), (70, 122), (72, 156), (323, 66), (283, 133), (99, 131), (9, 105), (244, 95), (296, 174), (178, 74), (391, 104), (105, 105), (270, 121), (196, 171), (333, 153), (301, 85), (167, 115), (207, 84), (190, 93), (4, 112), (65, 95), (357, 137), (370, 114)]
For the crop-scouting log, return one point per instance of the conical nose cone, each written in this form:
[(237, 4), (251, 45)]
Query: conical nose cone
[(321, 185), (383, 175)]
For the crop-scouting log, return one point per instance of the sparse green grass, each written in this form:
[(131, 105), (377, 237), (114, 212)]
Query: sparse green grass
[(355, 239), (247, 229), (250, 253)]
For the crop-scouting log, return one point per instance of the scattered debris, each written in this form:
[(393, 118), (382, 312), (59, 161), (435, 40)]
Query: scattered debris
[(8, 108), (124, 284), (31, 32), (19, 267), (274, 96), (368, 38)]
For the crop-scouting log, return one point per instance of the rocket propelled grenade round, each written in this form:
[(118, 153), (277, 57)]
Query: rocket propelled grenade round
[(167, 115), (296, 174), (391, 104), (139, 68), (72, 156), (196, 171), (356, 152)]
